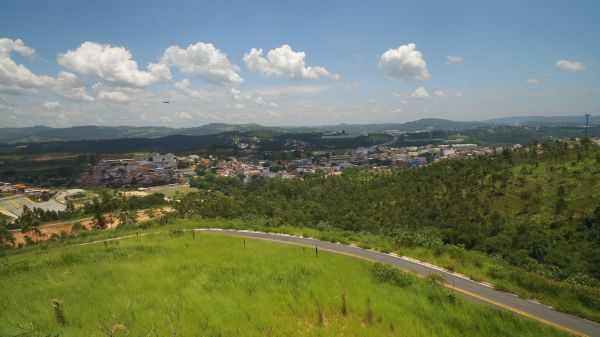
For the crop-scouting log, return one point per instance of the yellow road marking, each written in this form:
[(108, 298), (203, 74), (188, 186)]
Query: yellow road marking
[(479, 297), (520, 312)]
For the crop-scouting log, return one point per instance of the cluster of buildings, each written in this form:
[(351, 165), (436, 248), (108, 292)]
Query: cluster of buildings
[(147, 169), (143, 169), (20, 189), (16, 196), (375, 157)]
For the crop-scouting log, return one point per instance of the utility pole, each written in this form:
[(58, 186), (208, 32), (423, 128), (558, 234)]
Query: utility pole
[(587, 125)]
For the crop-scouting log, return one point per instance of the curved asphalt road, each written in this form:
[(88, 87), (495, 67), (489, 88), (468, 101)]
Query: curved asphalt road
[(467, 288)]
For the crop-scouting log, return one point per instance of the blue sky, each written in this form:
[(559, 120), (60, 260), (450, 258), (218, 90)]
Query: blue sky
[(70, 62)]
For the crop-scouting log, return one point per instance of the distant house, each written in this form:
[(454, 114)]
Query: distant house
[(13, 206), (166, 160)]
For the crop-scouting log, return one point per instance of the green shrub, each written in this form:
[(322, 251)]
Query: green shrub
[(387, 274), (588, 295), (497, 272)]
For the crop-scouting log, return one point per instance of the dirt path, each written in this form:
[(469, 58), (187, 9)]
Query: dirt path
[(65, 227)]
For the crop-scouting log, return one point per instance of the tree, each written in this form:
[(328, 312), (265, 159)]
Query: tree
[(77, 228), (99, 220), (150, 213), (126, 217), (110, 220), (7, 240), (70, 207), (29, 222)]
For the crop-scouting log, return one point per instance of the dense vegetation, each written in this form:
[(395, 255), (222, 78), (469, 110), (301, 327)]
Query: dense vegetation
[(541, 205), (508, 135), (44, 172), (177, 284)]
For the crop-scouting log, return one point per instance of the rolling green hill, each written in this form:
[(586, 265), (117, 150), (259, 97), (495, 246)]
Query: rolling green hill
[(179, 285), (91, 132)]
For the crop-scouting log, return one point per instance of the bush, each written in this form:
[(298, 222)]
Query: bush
[(496, 272), (176, 232), (588, 295), (387, 274), (435, 278)]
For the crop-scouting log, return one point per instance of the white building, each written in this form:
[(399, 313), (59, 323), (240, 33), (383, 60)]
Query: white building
[(166, 160), (449, 152)]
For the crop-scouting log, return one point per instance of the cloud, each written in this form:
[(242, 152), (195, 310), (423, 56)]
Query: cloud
[(284, 63), (451, 59), (112, 95), (405, 62), (183, 115), (113, 64), (531, 81), (254, 97), (69, 86), (51, 105), (439, 93), (17, 78), (205, 61), (352, 86), (184, 86), (291, 91), (570, 66), (420, 93)]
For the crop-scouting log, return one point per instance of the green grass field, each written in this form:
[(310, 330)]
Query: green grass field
[(176, 285), (173, 190)]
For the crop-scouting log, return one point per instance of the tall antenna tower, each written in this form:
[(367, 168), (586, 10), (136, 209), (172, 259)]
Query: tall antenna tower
[(587, 125)]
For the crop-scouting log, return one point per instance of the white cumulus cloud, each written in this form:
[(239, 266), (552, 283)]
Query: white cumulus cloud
[(112, 95), (70, 86), (531, 81), (51, 105), (184, 86), (420, 93), (405, 62), (451, 59), (14, 77), (205, 61), (570, 66), (113, 64), (291, 91), (284, 62), (439, 93)]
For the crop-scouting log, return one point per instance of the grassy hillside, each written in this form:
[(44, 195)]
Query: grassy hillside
[(176, 284)]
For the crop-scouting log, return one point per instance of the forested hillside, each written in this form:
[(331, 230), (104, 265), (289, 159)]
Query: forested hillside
[(537, 209)]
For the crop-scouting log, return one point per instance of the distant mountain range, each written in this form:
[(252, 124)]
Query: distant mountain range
[(37, 134), (544, 120)]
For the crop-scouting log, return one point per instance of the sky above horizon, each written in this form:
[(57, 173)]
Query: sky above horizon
[(65, 63)]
